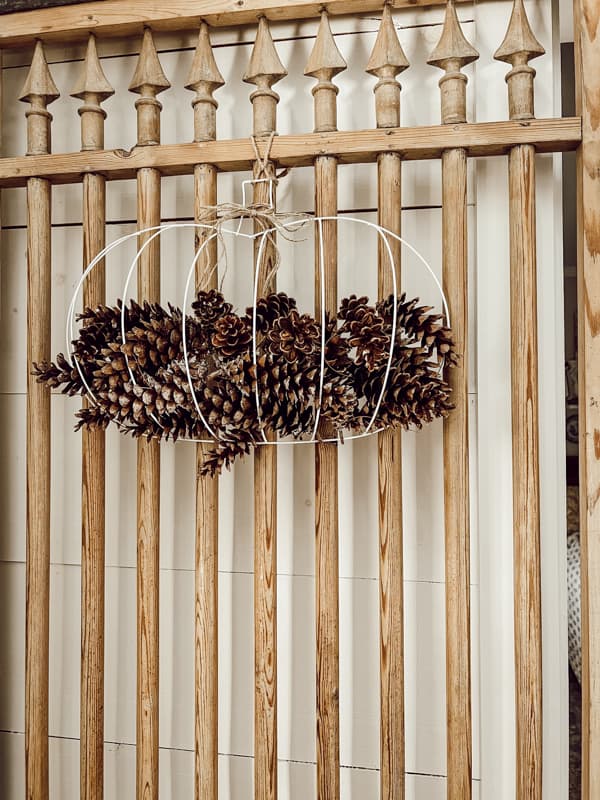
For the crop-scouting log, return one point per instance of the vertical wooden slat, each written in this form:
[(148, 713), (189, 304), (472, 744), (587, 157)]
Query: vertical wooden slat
[(264, 70), (39, 91), (451, 54), (204, 78), (587, 63), (388, 60), (148, 81), (324, 63), (517, 49), (92, 88)]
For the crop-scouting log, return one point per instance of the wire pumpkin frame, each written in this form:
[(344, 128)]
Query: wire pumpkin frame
[(285, 224)]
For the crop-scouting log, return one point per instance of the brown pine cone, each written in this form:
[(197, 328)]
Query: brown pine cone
[(269, 308), (60, 373), (232, 335), (293, 335), (209, 307)]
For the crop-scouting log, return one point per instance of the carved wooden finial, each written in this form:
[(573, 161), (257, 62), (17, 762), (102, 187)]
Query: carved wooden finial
[(39, 90), (451, 54), (263, 71), (324, 62), (93, 88), (204, 78), (148, 80), (387, 60), (517, 49)]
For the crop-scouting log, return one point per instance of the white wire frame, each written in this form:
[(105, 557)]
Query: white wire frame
[(215, 229)]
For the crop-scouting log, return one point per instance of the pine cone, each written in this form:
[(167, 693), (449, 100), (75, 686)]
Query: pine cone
[(269, 308), (60, 374), (232, 335), (293, 335), (209, 307)]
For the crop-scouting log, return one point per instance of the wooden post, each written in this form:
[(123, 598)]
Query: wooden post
[(324, 63), (587, 65), (264, 70), (148, 81), (92, 88), (204, 78), (386, 62), (451, 54), (39, 90), (517, 49)]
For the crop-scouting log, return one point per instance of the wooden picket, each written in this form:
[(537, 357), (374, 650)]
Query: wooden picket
[(453, 142)]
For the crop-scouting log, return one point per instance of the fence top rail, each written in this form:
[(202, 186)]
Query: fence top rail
[(350, 147), (116, 18)]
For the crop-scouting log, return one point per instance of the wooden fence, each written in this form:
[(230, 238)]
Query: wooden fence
[(454, 141)]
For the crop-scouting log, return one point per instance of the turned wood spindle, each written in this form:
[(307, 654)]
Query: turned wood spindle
[(39, 91), (264, 70), (204, 78), (148, 81), (517, 49), (386, 62), (92, 88), (324, 63), (451, 54)]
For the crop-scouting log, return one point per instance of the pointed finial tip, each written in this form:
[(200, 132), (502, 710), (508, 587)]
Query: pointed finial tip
[(204, 68), (453, 45), (519, 39), (39, 81), (148, 71), (92, 79), (264, 60), (387, 51), (325, 55)]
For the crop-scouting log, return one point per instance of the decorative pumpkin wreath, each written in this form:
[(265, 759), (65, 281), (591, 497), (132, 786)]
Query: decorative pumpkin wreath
[(239, 379)]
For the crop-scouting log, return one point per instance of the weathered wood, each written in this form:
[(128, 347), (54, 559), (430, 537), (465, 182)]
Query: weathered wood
[(518, 48), (264, 70), (386, 62), (204, 78), (456, 482), (325, 62), (115, 18), (39, 91), (92, 88), (349, 147), (452, 53), (148, 80), (587, 62)]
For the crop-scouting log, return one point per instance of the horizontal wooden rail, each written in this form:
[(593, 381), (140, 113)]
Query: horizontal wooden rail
[(236, 155), (115, 18)]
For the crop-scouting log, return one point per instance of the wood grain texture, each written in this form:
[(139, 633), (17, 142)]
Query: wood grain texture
[(517, 49), (204, 78), (38, 493), (39, 91), (148, 457), (349, 147), (526, 501), (587, 61), (326, 519), (386, 62), (451, 54), (93, 528), (456, 482), (115, 18), (264, 70), (391, 556), (92, 88)]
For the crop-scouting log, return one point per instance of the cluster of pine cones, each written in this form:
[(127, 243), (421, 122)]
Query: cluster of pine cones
[(142, 383)]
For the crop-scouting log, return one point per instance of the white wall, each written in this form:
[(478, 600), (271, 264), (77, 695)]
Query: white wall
[(493, 763)]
